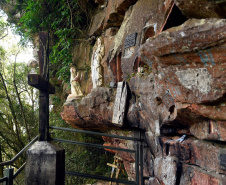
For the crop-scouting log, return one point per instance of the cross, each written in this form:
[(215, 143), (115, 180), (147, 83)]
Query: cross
[(41, 82)]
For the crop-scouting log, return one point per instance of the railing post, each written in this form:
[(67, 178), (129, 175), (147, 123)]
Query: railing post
[(141, 164), (8, 172), (137, 164)]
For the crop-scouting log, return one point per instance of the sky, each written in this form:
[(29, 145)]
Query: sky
[(12, 41)]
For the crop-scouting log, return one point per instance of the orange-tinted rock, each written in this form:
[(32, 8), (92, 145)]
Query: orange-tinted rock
[(183, 92), (97, 24), (111, 16), (191, 36), (193, 175), (210, 130), (216, 112), (146, 104), (202, 8), (206, 155), (191, 61), (115, 12), (92, 112), (138, 20)]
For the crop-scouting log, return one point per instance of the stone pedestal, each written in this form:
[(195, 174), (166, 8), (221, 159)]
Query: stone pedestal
[(45, 164)]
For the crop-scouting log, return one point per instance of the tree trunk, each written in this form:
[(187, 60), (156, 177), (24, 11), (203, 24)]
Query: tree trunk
[(1, 168), (20, 103)]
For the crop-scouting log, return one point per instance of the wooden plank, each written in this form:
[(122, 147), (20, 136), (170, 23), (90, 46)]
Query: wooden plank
[(37, 81), (117, 157), (112, 165)]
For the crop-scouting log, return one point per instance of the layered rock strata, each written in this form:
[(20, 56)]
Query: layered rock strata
[(180, 91)]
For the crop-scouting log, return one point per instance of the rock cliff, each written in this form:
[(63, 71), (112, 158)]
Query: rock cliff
[(181, 48), (172, 55)]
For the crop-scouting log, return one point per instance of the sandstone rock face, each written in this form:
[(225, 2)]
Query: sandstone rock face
[(191, 36), (137, 22), (203, 154), (111, 16), (202, 8), (166, 169), (92, 112), (180, 90), (194, 175)]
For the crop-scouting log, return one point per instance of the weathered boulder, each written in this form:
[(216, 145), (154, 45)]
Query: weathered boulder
[(209, 130), (194, 175), (111, 16), (214, 112), (193, 35), (202, 8), (115, 12), (139, 20), (180, 91), (91, 112), (205, 155), (188, 87), (97, 24), (165, 170)]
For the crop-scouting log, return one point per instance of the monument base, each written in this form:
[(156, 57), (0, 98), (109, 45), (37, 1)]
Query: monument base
[(45, 164)]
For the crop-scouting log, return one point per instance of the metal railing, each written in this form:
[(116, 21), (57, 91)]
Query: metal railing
[(9, 174), (138, 151)]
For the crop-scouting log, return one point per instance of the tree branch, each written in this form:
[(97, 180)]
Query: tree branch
[(10, 106), (71, 14), (3, 36)]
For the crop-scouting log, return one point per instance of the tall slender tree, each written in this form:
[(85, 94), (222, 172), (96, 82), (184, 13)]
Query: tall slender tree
[(18, 120)]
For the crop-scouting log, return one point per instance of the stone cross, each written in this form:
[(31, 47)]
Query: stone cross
[(41, 82)]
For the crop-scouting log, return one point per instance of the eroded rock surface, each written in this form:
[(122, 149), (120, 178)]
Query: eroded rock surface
[(91, 112), (176, 77), (202, 8)]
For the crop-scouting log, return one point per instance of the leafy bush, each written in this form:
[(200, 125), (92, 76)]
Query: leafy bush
[(63, 19)]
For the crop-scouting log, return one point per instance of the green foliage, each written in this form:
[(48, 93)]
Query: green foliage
[(3, 28), (18, 102), (147, 70), (2, 53), (14, 124), (129, 76), (64, 19)]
